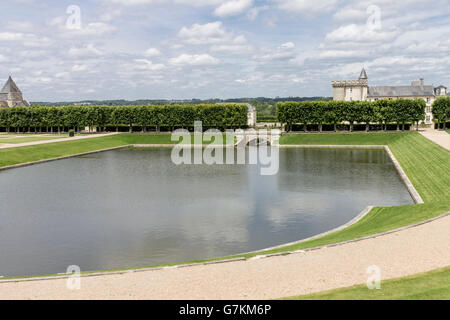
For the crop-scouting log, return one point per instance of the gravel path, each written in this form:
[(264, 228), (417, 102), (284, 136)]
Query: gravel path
[(441, 138), (411, 251), (33, 143)]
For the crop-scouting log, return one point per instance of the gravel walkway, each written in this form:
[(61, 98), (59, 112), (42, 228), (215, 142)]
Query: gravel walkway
[(34, 143), (411, 251), (439, 137)]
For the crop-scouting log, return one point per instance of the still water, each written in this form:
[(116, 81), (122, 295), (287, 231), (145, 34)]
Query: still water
[(134, 207)]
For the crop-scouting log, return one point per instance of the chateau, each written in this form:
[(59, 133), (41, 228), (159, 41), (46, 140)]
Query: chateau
[(359, 90), (11, 96)]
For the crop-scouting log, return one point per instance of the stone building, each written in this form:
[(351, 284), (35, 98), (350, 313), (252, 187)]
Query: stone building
[(359, 90), (11, 96)]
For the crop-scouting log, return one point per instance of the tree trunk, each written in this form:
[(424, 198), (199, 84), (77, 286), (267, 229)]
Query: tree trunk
[(117, 129), (398, 126), (320, 128), (305, 129), (351, 127), (367, 127), (131, 129), (335, 127), (403, 126)]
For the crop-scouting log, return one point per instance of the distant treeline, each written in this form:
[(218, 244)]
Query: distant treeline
[(264, 106), (21, 119), (383, 112)]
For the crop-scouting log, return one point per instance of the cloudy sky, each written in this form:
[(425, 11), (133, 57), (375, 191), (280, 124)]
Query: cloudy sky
[(180, 49)]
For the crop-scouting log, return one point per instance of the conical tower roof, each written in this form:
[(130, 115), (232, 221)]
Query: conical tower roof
[(10, 87), (363, 75)]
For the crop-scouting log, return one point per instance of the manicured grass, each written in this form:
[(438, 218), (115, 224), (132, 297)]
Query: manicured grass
[(59, 149), (379, 138), (434, 285), (8, 140)]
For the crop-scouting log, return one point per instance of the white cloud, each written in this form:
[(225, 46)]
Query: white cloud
[(253, 13), (23, 26), (25, 39), (194, 60), (288, 45), (200, 3), (85, 52), (79, 68), (152, 52), (359, 33), (306, 7), (209, 33), (233, 8), (144, 64), (131, 2)]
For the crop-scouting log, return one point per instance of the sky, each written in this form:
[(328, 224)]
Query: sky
[(59, 50)]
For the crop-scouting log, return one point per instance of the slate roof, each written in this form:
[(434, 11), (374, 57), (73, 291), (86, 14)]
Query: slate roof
[(10, 87), (400, 91), (441, 87)]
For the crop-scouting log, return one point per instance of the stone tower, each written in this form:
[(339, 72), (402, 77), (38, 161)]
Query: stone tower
[(11, 96), (351, 90)]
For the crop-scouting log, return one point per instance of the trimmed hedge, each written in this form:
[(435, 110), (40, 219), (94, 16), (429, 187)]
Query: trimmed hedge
[(383, 112), (170, 116), (441, 111)]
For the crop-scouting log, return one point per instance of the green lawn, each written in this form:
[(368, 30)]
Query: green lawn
[(22, 139), (433, 285), (59, 149)]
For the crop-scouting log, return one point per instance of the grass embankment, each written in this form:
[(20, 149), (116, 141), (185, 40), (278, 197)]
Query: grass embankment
[(27, 154), (434, 285)]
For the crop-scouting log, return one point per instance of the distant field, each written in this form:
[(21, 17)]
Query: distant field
[(433, 285)]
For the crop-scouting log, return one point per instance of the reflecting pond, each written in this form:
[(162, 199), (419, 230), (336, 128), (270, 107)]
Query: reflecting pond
[(134, 207)]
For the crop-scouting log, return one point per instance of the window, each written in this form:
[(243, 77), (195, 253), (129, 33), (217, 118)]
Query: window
[(428, 99)]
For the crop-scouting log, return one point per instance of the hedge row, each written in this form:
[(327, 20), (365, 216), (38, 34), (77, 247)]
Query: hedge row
[(401, 111), (219, 116), (441, 111)]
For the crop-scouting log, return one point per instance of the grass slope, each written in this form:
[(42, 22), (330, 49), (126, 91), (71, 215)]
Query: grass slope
[(433, 285)]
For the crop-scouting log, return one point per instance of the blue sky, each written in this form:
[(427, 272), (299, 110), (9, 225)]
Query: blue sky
[(183, 49)]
